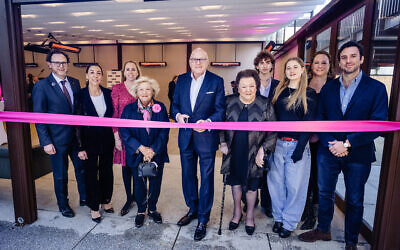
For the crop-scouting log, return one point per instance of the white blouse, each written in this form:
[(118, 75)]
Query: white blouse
[(99, 104)]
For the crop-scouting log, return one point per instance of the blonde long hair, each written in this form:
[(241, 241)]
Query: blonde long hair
[(299, 97)]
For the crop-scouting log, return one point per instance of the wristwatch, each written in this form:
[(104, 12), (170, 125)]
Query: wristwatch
[(346, 144)]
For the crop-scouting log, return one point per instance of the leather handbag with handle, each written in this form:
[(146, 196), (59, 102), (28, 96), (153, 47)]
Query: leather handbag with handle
[(147, 169)]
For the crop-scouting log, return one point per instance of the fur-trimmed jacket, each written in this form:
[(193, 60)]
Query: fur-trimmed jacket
[(259, 110)]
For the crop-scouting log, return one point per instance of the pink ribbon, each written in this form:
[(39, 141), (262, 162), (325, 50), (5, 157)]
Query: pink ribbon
[(298, 126)]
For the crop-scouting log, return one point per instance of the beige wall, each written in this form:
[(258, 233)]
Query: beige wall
[(245, 54), (174, 55), (280, 63)]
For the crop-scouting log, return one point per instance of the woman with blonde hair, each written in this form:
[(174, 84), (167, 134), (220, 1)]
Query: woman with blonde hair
[(290, 163), (146, 145), (121, 97)]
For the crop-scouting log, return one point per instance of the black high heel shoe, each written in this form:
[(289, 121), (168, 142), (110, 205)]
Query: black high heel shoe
[(250, 229), (233, 225)]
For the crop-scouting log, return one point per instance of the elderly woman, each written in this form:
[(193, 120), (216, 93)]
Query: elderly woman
[(121, 97), (97, 144), (244, 173), (146, 144)]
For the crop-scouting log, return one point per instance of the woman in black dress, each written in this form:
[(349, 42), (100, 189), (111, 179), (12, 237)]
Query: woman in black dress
[(244, 173)]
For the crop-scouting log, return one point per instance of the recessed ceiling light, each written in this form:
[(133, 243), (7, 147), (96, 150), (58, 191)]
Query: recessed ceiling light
[(127, 1), (215, 15), (40, 34), (134, 29), (95, 30), (78, 27), (275, 12), (175, 28), (109, 33), (221, 29), (120, 35), (210, 7), (57, 22), (59, 31), (158, 18), (144, 32), (221, 26), (167, 23), (182, 30), (36, 28), (283, 3), (28, 16), (142, 11), (217, 21), (269, 19), (105, 21), (52, 4), (85, 13), (121, 25)]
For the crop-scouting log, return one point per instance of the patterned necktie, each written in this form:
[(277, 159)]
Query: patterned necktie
[(65, 91)]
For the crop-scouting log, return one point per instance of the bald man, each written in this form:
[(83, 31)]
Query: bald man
[(199, 97)]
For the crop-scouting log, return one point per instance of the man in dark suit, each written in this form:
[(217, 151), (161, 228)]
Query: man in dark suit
[(59, 94), (352, 96), (199, 97), (264, 64)]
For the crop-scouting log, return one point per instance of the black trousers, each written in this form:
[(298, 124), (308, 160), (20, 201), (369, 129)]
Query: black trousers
[(99, 177), (147, 200)]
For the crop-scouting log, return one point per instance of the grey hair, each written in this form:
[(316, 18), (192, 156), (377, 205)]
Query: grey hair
[(143, 79)]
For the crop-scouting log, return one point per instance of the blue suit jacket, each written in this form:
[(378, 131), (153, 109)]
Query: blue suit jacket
[(369, 102), (210, 104), (49, 98), (133, 138), (93, 137)]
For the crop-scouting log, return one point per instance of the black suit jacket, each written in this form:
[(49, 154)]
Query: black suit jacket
[(274, 83), (91, 137), (49, 98)]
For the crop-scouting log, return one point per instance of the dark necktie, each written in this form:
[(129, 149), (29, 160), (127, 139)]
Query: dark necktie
[(65, 91)]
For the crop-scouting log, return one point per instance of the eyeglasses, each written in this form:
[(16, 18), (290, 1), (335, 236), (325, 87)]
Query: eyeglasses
[(58, 64), (198, 60)]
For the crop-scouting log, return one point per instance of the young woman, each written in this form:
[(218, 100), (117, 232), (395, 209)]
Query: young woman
[(320, 73), (97, 144), (121, 97), (290, 163)]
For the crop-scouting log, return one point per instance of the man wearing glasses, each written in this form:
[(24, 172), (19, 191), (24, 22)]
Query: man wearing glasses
[(199, 97), (59, 94)]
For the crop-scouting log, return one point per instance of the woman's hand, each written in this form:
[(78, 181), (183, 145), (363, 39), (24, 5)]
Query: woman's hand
[(118, 143), (260, 157), (223, 148), (147, 152), (82, 155)]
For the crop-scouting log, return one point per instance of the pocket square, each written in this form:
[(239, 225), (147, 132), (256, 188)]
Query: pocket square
[(210, 92)]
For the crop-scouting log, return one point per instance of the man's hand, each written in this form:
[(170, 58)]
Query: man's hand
[(260, 157), (200, 130), (49, 149), (224, 148), (181, 118), (82, 155), (338, 149)]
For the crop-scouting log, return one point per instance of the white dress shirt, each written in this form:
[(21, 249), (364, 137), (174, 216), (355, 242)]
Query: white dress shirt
[(67, 85), (264, 91), (195, 88), (99, 104)]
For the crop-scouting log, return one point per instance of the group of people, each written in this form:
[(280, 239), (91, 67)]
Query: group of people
[(296, 171)]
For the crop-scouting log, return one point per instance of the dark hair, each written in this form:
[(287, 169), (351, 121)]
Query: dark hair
[(52, 52), (137, 68), (348, 45), (248, 73), (94, 64), (263, 54), (321, 52)]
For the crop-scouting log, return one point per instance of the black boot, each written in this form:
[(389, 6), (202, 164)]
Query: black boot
[(311, 219)]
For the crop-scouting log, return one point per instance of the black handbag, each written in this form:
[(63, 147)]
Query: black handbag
[(147, 169)]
